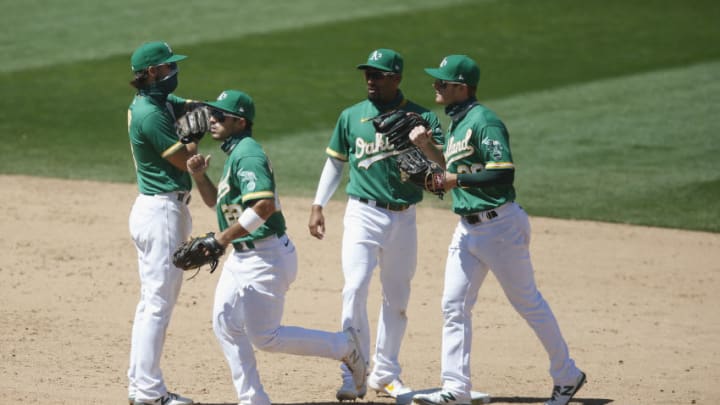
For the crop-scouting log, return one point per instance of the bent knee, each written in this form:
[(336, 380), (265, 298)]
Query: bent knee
[(267, 342)]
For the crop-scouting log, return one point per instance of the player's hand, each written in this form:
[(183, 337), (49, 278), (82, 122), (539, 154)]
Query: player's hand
[(317, 222), (420, 136), (450, 181), (198, 164)]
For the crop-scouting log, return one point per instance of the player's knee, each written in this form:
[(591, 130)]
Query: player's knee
[(453, 308), (266, 341), (530, 307), (223, 327)]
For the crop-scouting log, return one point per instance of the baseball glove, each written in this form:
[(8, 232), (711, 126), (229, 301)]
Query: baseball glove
[(198, 252), (396, 125), (421, 171), (191, 126)]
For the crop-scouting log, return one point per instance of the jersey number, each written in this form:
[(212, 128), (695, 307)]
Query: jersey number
[(231, 212), (474, 168)]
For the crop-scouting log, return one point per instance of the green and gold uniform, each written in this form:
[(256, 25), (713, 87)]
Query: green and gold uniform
[(151, 124), (478, 141), (373, 168), (492, 235), (247, 176)]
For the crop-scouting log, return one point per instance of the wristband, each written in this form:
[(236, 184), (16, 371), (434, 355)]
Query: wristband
[(250, 220)]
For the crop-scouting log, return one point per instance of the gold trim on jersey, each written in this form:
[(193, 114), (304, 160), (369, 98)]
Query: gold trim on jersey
[(500, 165), (174, 148), (336, 155), (259, 195)]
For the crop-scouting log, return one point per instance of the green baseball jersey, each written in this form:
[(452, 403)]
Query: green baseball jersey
[(247, 176), (151, 126), (479, 141), (373, 169)]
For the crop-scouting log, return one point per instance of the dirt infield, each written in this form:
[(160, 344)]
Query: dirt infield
[(639, 307)]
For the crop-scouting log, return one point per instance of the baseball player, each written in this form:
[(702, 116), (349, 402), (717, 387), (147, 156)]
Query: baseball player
[(379, 224), (160, 220), (493, 234), (250, 293)]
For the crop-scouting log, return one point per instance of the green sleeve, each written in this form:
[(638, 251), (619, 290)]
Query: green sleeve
[(255, 178), (494, 146), (160, 131), (177, 103), (434, 121), (338, 147)]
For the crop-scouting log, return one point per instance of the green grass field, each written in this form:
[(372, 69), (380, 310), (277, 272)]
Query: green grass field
[(613, 106)]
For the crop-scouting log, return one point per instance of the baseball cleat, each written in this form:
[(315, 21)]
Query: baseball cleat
[(355, 360), (440, 398), (348, 392), (395, 388), (169, 399), (562, 394)]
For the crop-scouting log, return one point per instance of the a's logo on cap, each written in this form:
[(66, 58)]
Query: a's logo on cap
[(168, 47), (222, 96), (376, 55), (460, 77), (444, 62)]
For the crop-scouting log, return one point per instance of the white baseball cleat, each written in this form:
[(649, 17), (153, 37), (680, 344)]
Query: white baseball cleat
[(562, 394), (440, 398), (169, 399), (394, 388), (348, 392), (355, 361)]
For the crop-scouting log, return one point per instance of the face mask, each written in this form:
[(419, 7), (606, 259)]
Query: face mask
[(169, 83)]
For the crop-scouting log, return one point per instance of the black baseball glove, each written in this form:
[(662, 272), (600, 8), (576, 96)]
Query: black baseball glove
[(418, 169), (198, 252), (191, 126), (396, 125)]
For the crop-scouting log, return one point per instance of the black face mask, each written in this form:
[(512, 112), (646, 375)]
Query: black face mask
[(168, 84)]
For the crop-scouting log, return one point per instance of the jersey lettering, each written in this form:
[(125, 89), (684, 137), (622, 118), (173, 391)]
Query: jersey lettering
[(459, 149), (231, 212), (223, 186), (373, 151), (132, 151)]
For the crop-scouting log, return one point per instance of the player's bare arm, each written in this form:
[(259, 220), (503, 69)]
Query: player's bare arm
[(197, 166), (262, 209), (180, 155)]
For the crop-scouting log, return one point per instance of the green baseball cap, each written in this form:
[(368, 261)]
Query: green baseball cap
[(235, 102), (457, 68), (383, 59), (153, 54)]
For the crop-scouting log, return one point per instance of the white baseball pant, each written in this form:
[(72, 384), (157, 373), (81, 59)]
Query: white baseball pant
[(158, 225), (502, 246), (248, 308), (374, 236)]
